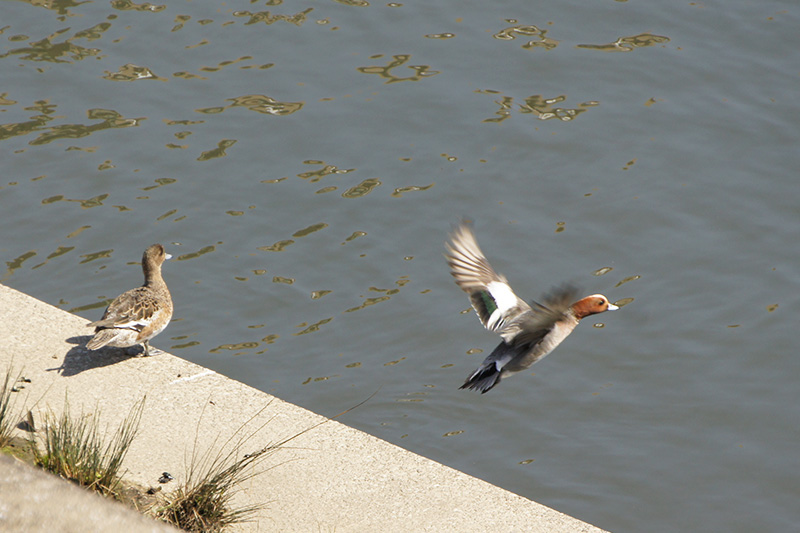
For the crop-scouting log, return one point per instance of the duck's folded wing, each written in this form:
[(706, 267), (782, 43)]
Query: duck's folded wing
[(491, 295), (133, 309)]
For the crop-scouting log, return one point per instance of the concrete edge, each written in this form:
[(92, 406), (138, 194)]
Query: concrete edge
[(331, 478)]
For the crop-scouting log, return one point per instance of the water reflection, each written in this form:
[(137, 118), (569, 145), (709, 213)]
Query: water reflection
[(628, 279), (283, 244), (265, 104), (16, 263), (85, 204), (311, 328), (129, 5), (400, 191), (310, 229), (541, 41), (109, 120), (194, 255), (219, 151), (355, 3), (268, 18), (64, 52), (256, 102), (160, 182), (628, 44), (59, 6), (422, 71), (355, 235), (102, 254), (277, 247), (223, 64), (316, 295), (362, 189), (131, 72), (440, 36), (545, 108), (61, 250), (326, 170), (234, 347), (537, 105)]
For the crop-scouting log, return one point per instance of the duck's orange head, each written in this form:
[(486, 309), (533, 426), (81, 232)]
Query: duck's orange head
[(591, 305)]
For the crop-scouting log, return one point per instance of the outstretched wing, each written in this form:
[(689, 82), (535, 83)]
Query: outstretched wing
[(492, 297)]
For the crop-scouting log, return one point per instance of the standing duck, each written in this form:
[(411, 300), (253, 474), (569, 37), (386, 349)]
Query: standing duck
[(529, 332), (137, 315)]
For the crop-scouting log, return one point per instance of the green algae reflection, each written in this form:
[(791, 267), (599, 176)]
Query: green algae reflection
[(268, 18), (256, 102), (129, 5), (628, 44), (362, 189), (47, 50), (422, 71), (325, 170), (193, 255), (537, 105), (540, 41), (39, 123), (131, 72), (219, 151)]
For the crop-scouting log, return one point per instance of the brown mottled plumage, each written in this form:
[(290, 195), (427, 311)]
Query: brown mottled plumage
[(137, 315)]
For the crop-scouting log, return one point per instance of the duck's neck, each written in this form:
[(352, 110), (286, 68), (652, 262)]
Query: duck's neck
[(152, 277)]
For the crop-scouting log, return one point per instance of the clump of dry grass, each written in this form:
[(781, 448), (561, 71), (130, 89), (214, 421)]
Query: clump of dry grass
[(203, 502), (73, 448), (7, 417)]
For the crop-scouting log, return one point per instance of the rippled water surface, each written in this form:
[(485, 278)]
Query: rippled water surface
[(303, 162)]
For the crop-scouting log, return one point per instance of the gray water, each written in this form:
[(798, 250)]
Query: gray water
[(304, 161)]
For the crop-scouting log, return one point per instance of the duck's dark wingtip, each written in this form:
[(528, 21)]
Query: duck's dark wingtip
[(482, 382), (476, 387)]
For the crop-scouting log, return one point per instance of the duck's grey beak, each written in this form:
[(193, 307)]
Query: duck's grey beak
[(612, 307)]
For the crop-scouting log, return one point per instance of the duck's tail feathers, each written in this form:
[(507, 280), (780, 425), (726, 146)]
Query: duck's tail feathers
[(483, 379), (101, 338)]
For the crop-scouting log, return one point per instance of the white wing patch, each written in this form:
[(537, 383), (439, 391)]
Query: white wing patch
[(504, 298), (131, 324)]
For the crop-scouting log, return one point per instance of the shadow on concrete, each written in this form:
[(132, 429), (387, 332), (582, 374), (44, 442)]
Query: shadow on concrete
[(79, 358)]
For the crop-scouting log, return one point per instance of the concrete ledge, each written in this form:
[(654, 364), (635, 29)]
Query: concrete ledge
[(332, 478), (34, 501)]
